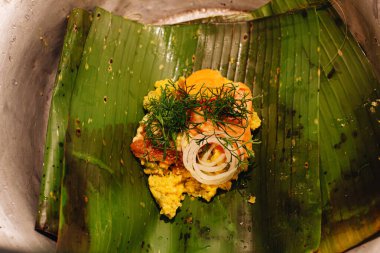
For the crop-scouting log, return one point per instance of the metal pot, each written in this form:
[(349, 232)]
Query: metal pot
[(30, 42)]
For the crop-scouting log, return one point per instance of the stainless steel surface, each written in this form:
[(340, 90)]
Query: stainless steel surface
[(363, 19), (31, 34)]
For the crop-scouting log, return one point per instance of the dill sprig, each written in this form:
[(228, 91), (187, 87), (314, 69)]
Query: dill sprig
[(169, 113), (168, 116), (222, 108)]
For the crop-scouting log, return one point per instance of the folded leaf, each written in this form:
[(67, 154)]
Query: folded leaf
[(49, 201), (106, 204), (288, 60)]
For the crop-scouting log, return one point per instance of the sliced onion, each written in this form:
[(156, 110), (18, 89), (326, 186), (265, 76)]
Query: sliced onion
[(210, 168), (208, 153), (200, 168), (218, 160)]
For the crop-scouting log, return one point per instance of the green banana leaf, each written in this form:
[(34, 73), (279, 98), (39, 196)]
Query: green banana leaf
[(350, 138), (49, 200), (286, 178), (277, 7), (106, 205)]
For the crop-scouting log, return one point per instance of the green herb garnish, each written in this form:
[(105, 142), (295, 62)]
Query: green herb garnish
[(169, 114)]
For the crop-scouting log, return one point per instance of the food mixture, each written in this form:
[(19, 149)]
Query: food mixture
[(195, 138)]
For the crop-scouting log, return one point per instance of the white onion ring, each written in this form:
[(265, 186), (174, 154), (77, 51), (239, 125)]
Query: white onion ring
[(211, 168), (200, 168)]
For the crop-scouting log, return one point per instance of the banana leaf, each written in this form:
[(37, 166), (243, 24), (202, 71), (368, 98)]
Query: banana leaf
[(49, 200), (277, 7), (106, 205), (286, 178), (77, 30), (350, 139)]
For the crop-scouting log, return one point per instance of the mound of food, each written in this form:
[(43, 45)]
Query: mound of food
[(195, 138)]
